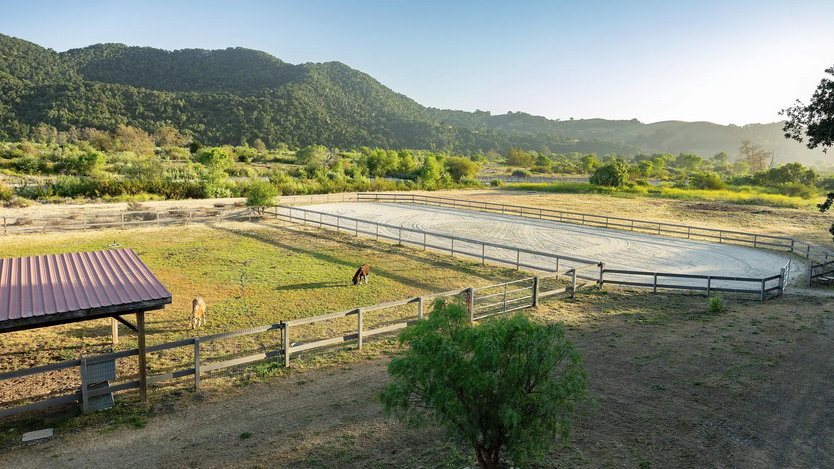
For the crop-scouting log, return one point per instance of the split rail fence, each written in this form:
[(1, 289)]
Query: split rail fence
[(815, 255)]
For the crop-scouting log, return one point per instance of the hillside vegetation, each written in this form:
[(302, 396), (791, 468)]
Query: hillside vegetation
[(235, 96)]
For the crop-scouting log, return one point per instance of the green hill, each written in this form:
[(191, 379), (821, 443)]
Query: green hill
[(237, 95)]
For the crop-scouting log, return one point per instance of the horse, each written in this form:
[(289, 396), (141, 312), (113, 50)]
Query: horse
[(198, 313), (363, 273)]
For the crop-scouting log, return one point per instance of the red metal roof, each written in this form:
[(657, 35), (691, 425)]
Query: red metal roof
[(53, 289)]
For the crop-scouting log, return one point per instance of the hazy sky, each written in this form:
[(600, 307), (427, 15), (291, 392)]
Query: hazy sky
[(722, 61)]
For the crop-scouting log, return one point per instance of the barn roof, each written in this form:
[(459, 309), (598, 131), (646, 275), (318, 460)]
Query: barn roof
[(41, 291)]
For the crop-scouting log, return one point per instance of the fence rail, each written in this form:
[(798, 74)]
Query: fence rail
[(755, 240)]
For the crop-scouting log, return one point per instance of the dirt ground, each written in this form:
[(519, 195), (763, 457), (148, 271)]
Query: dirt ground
[(676, 386)]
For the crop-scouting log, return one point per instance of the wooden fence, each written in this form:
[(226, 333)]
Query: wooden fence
[(536, 260), (808, 251)]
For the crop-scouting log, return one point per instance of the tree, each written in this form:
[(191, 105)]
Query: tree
[(519, 158), (816, 120), (259, 145), (86, 164), (509, 383), (689, 161), (430, 173), (721, 158), (461, 167), (134, 139), (613, 174), (260, 194), (590, 162), (754, 155), (168, 137)]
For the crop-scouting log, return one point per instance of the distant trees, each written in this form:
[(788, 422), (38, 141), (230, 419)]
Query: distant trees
[(168, 137), (756, 157), (461, 167), (814, 120)]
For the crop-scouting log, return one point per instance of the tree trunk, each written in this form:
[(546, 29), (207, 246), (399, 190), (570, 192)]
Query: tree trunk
[(485, 459)]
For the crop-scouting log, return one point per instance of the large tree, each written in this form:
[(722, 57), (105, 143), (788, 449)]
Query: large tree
[(754, 155), (508, 384), (815, 120)]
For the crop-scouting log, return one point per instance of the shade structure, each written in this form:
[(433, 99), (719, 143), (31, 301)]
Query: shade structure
[(48, 290)]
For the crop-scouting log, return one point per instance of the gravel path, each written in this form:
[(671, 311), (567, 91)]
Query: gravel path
[(618, 249)]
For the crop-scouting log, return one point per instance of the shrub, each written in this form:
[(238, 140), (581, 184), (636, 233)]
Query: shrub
[(716, 305), (496, 182), (522, 173), (707, 181), (260, 193), (613, 174)]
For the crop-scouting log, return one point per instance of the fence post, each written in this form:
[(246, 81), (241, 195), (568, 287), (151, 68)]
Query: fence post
[(196, 364), (286, 345), (83, 223), (420, 308), (470, 299), (114, 331), (359, 326), (123, 220), (755, 241), (518, 260), (763, 289), (654, 284), (157, 217), (601, 271), (808, 252), (400, 238), (720, 236), (85, 400), (535, 291), (453, 247), (356, 228), (338, 222), (792, 240), (557, 264), (573, 283), (709, 284), (781, 281), (377, 232), (688, 231), (483, 253), (424, 241)]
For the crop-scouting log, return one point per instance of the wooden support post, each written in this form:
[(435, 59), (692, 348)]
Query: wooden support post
[(453, 247), (470, 299), (535, 291), (518, 260), (143, 365), (196, 364), (114, 331), (654, 283), (85, 400), (123, 220), (709, 284), (377, 232), (400, 238), (286, 345), (483, 254), (356, 228), (601, 271), (810, 271), (755, 241), (763, 290), (359, 326), (424, 241), (420, 308), (573, 283)]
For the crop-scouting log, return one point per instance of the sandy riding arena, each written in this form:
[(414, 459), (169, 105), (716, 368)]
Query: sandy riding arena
[(618, 249)]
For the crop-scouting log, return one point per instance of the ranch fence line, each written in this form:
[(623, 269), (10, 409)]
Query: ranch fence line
[(535, 260), (96, 372), (811, 252)]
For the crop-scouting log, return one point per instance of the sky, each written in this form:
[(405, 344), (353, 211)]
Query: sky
[(727, 62)]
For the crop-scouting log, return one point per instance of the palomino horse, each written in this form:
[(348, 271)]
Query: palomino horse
[(363, 273), (198, 313)]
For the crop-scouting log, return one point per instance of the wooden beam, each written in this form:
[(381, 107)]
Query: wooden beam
[(143, 371), (33, 322), (129, 325), (114, 330)]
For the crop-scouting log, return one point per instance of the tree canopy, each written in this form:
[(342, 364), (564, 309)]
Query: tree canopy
[(507, 384), (814, 120)]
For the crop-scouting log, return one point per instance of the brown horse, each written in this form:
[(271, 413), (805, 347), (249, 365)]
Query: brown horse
[(198, 313), (363, 273)]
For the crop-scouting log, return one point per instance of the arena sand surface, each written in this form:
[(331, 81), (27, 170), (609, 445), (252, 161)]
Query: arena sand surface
[(618, 249)]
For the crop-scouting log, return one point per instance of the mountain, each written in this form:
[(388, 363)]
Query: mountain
[(236, 95)]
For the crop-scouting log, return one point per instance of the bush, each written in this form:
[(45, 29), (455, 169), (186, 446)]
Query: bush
[(613, 174), (522, 173), (716, 305), (496, 182), (642, 183), (707, 181)]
